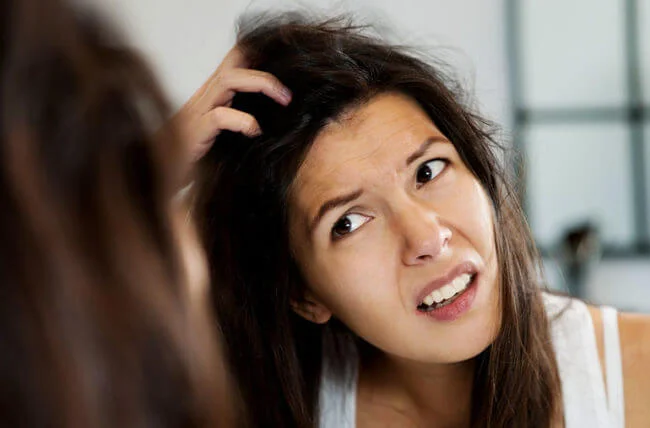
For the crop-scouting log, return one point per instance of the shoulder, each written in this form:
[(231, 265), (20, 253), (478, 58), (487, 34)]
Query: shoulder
[(634, 332), (635, 337)]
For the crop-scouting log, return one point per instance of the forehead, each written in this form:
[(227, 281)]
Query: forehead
[(368, 145)]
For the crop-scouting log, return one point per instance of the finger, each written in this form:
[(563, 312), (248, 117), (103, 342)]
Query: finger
[(244, 80), (220, 119), (225, 118)]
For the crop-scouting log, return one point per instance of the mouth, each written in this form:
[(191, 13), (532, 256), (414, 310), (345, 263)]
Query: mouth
[(447, 293)]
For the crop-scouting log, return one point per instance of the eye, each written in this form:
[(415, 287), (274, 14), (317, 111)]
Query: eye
[(348, 224), (430, 170)]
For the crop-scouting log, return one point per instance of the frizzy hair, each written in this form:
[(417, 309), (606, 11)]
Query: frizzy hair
[(330, 67)]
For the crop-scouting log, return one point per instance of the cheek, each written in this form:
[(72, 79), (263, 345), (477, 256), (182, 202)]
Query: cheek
[(353, 281), (360, 289), (484, 215), (473, 217)]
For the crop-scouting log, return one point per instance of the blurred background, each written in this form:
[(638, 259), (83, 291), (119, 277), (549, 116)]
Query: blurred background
[(568, 81)]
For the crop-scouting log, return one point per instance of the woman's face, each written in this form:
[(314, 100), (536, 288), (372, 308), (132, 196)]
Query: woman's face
[(394, 235)]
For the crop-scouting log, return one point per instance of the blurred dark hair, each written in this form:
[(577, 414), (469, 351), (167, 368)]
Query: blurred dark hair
[(331, 67), (96, 325)]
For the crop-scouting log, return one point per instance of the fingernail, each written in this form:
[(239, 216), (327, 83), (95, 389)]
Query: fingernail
[(286, 95)]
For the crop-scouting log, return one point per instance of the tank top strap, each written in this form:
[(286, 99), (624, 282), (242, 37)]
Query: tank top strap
[(574, 343), (613, 367)]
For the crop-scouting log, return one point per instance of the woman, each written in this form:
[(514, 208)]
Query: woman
[(374, 266), (102, 323)]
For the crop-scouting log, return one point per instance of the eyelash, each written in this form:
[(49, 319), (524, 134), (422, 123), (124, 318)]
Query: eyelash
[(336, 236)]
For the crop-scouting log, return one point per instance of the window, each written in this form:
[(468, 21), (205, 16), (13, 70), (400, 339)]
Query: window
[(580, 73)]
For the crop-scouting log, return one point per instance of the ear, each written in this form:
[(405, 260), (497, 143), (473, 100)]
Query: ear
[(311, 309)]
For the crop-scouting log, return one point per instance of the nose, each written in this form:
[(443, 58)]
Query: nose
[(424, 235)]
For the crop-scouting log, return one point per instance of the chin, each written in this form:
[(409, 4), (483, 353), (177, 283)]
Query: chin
[(463, 341), (468, 348)]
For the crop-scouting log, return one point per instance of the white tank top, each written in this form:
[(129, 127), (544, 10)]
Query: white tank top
[(586, 402)]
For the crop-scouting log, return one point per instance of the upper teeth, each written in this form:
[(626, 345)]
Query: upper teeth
[(449, 290)]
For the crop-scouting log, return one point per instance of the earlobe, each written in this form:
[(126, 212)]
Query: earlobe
[(311, 309)]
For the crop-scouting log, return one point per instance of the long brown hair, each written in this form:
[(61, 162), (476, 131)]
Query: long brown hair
[(277, 356), (96, 325)]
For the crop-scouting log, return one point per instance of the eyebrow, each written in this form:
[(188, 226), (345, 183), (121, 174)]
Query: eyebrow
[(423, 148), (333, 203)]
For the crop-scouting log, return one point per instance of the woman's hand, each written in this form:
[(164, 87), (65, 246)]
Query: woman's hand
[(208, 111)]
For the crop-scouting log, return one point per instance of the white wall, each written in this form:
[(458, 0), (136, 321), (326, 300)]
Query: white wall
[(183, 40), (622, 283)]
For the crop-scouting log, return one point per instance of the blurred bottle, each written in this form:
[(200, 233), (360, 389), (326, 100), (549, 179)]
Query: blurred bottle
[(578, 252)]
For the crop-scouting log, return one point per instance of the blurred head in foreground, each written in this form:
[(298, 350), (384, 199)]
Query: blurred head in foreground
[(97, 323)]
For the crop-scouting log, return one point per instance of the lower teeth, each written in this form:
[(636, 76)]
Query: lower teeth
[(426, 308)]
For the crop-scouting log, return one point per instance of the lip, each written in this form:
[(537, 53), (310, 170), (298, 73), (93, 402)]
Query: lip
[(462, 268)]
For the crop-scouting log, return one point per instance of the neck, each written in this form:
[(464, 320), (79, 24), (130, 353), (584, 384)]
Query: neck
[(426, 394)]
